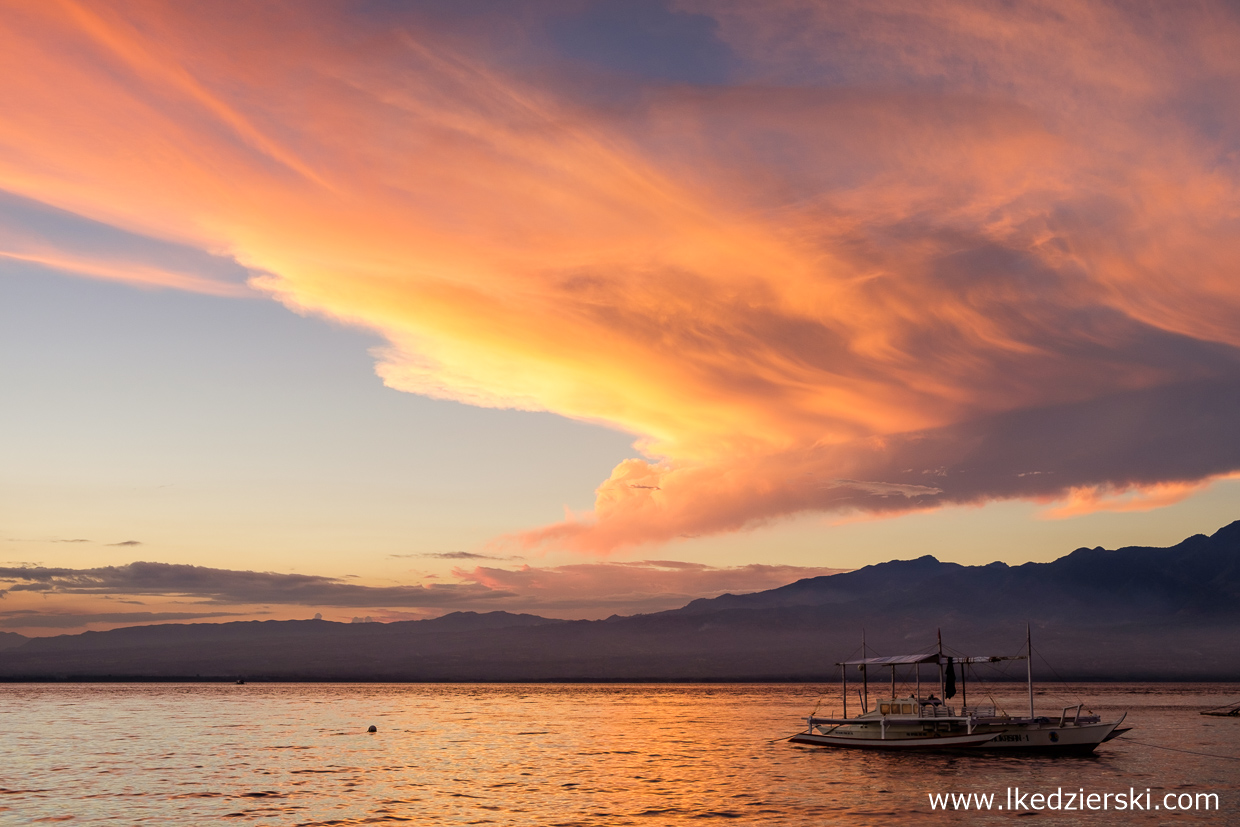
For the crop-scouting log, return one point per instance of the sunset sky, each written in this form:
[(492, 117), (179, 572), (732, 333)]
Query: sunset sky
[(391, 309)]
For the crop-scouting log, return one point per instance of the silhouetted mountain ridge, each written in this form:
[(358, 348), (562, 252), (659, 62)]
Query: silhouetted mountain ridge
[(1199, 574), (136, 637), (11, 640)]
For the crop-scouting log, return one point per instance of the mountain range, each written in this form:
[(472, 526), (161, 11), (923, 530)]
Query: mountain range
[(1131, 613)]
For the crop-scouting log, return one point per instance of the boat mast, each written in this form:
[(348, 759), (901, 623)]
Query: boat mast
[(1029, 665), (865, 678), (964, 685), (844, 686)]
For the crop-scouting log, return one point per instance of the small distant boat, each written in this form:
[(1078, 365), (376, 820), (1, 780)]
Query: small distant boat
[(1223, 711), (918, 722)]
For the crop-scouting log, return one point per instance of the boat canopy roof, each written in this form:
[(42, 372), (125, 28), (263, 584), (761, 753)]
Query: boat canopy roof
[(893, 660), (930, 657)]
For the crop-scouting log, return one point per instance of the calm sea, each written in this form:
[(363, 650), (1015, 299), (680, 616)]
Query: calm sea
[(299, 754)]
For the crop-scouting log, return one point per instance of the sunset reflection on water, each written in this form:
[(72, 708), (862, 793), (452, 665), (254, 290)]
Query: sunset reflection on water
[(564, 754)]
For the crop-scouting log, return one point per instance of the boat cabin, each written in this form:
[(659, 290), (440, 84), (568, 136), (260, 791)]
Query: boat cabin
[(911, 707), (903, 706)]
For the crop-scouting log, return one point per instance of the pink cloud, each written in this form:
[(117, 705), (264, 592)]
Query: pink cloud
[(627, 588)]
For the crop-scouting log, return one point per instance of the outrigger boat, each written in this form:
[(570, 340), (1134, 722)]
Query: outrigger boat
[(915, 722)]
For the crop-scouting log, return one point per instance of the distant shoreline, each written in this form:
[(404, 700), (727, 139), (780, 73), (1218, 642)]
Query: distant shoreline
[(828, 679)]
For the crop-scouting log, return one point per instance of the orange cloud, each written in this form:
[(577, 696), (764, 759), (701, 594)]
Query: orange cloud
[(1092, 499), (856, 263)]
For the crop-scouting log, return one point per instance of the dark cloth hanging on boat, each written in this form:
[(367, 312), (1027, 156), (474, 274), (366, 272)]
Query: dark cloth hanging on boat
[(949, 679)]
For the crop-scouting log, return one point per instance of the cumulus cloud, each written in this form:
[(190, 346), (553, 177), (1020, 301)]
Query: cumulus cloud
[(873, 240), (1179, 437)]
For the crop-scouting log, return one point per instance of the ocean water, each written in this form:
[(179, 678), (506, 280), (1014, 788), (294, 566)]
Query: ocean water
[(564, 754)]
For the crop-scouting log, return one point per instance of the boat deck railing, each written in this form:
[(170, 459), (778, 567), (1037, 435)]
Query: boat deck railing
[(978, 711), (935, 711)]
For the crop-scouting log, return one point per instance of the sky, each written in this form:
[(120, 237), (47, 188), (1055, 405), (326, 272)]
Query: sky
[(386, 309)]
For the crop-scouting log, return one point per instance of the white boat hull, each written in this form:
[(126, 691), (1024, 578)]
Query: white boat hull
[(1049, 737), (903, 742)]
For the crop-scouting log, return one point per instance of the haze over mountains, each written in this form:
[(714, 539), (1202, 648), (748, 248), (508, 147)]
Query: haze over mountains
[(1132, 613)]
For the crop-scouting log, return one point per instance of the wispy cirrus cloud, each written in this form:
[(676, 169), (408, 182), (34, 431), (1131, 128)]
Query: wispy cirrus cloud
[(626, 588), (32, 232), (886, 489), (452, 555), (231, 586), (31, 619), (965, 237)]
